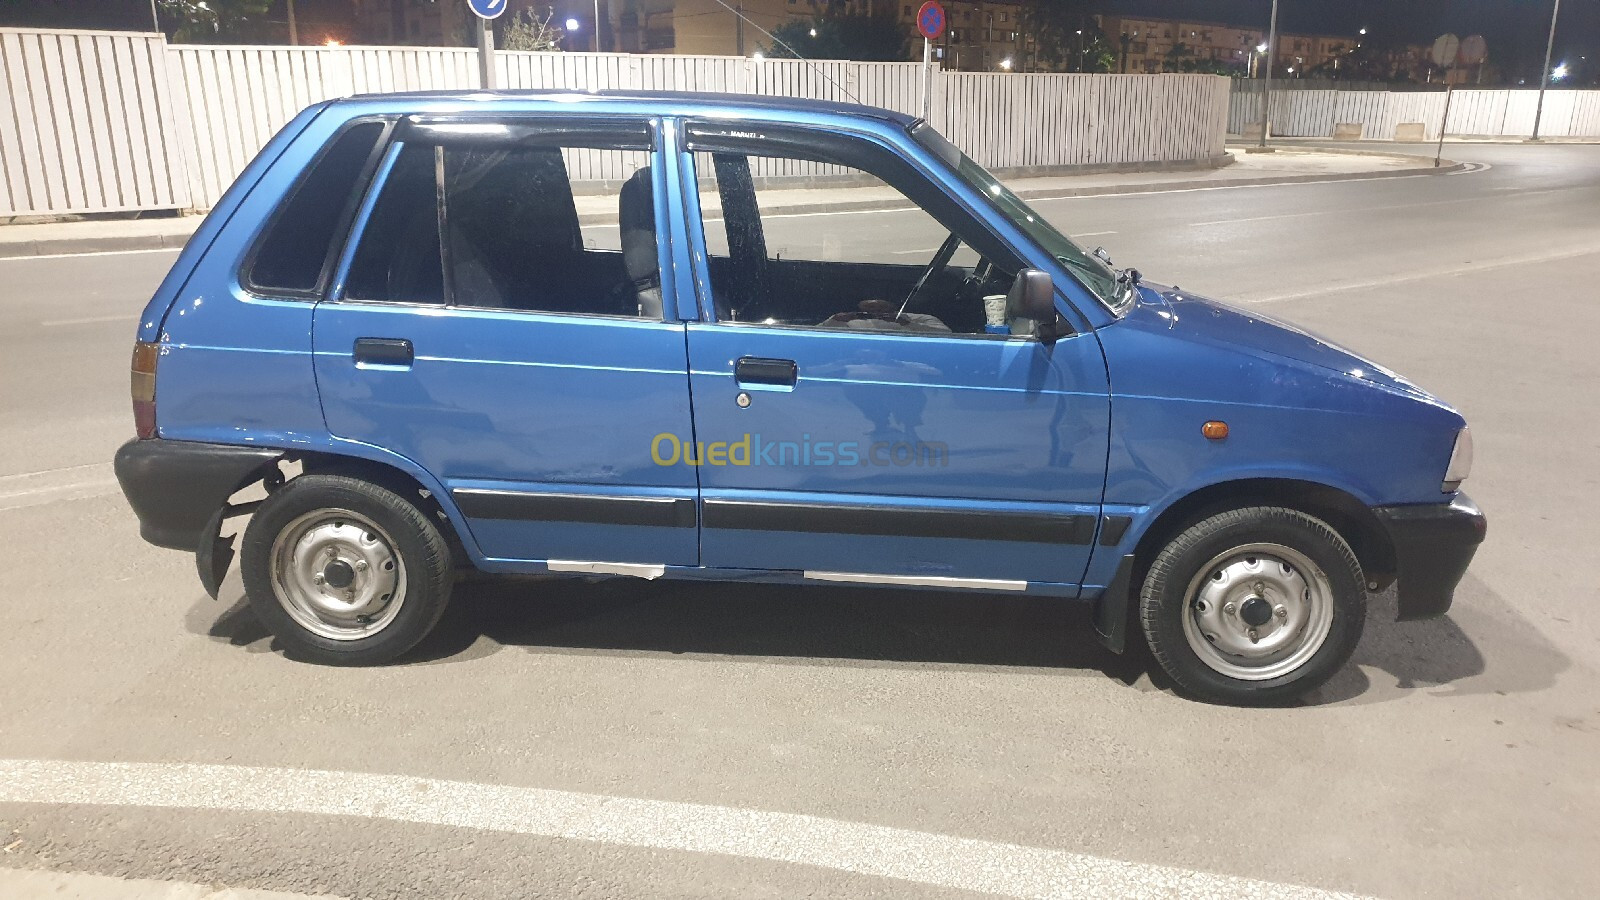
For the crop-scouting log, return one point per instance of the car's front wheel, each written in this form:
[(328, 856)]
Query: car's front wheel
[(343, 571), (1254, 605)]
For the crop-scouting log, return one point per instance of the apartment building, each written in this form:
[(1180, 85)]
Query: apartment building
[(1147, 45)]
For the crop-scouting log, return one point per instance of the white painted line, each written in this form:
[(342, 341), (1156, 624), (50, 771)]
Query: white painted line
[(1462, 269), (1240, 187), (908, 252), (53, 485), (875, 850), (90, 320), (24, 884), (1093, 234), (57, 471), (91, 253)]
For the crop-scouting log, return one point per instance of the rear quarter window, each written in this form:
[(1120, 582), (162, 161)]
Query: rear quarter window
[(295, 251)]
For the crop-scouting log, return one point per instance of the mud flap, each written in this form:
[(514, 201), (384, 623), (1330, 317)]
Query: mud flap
[(215, 553), (1111, 610)]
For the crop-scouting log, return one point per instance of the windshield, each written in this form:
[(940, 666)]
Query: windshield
[(1101, 279)]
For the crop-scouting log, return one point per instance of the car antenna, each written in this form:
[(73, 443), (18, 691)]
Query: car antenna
[(781, 43)]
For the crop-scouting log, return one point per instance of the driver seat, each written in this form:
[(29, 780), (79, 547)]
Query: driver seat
[(636, 217)]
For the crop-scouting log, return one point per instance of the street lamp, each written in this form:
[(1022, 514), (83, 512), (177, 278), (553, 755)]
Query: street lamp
[(1544, 76), (1266, 84), (1559, 72), (1006, 64), (572, 23)]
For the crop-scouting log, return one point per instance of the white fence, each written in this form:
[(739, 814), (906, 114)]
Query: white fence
[(89, 123), (1475, 113), (109, 121)]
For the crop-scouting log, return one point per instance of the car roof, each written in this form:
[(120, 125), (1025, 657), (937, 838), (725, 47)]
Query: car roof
[(657, 102)]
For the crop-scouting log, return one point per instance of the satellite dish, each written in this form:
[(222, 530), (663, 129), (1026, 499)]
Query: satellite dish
[(1445, 50), (1474, 50)]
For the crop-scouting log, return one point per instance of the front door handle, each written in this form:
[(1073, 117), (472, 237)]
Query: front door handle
[(383, 352), (758, 370)]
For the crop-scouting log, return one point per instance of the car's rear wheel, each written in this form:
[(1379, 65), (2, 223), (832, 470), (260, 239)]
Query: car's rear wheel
[(1253, 606), (343, 571)]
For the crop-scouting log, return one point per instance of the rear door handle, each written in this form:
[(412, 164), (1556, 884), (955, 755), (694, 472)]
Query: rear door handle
[(757, 370), (383, 352)]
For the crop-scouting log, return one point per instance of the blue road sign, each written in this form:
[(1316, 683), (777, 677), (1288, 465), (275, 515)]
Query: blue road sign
[(487, 9)]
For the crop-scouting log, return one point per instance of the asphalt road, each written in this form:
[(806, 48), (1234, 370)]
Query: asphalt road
[(1453, 757)]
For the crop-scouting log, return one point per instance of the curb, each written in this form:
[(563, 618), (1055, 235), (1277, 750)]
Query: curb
[(58, 246)]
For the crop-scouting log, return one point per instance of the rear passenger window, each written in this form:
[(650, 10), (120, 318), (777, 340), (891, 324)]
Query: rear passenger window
[(556, 229), (398, 259), (290, 258)]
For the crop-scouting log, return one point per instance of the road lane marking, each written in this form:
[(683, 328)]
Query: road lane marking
[(23, 883), (876, 850), (1238, 187), (92, 253), (1462, 269), (1093, 234), (90, 320), (1363, 210), (51, 485)]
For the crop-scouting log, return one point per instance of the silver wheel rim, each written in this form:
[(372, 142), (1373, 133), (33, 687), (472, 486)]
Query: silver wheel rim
[(337, 574), (1258, 611)]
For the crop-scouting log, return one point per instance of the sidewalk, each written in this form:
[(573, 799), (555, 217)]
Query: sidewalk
[(1287, 165)]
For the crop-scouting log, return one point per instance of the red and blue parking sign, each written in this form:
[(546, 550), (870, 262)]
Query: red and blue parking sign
[(930, 20)]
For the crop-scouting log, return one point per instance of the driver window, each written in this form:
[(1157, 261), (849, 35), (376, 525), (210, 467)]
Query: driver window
[(805, 243)]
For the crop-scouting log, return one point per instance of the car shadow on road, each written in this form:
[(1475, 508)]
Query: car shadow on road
[(797, 624), (810, 625), (1482, 646)]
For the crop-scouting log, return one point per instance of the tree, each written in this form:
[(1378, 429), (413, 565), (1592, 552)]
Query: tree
[(835, 34), (1066, 34), (526, 31), (217, 21), (1179, 59)]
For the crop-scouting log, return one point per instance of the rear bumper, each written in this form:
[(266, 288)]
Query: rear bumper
[(176, 487), (1433, 545)]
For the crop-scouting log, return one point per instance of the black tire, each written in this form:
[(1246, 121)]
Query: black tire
[(1172, 592), (419, 584)]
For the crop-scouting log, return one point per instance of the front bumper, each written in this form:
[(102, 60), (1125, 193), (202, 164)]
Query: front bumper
[(1433, 545), (176, 487)]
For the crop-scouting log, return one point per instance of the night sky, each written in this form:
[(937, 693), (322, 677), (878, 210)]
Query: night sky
[(1515, 29)]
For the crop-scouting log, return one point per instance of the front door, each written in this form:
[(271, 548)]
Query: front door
[(522, 359), (864, 408)]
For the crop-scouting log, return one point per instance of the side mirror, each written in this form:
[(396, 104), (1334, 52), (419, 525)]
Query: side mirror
[(1033, 296)]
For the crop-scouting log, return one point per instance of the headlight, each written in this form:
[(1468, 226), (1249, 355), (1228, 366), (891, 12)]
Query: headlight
[(1460, 462)]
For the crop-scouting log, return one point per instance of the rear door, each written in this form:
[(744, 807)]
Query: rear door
[(489, 326)]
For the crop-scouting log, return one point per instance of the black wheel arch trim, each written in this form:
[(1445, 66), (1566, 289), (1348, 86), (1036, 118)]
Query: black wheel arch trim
[(180, 489), (1433, 545)]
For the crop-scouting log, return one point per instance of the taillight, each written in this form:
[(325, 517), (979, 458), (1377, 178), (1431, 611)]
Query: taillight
[(143, 387)]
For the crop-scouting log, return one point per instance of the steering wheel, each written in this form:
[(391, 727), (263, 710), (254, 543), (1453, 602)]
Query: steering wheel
[(941, 258)]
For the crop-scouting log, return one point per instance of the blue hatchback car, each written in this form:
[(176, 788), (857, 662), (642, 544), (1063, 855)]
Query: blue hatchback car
[(728, 338)]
